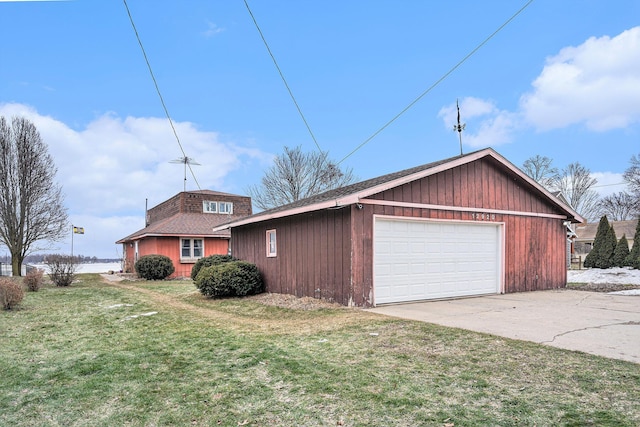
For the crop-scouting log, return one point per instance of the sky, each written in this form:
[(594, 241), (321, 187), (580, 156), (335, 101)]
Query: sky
[(561, 79)]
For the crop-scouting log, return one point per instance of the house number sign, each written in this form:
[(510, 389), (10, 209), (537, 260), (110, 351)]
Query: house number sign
[(483, 216)]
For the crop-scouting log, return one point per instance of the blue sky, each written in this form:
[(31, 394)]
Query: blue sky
[(561, 80)]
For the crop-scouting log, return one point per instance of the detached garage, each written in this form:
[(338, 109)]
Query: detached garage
[(465, 226)]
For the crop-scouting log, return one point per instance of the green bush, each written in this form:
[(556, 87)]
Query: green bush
[(154, 267), (621, 253), (33, 279), (604, 245), (11, 293), (62, 269), (235, 278), (633, 259), (208, 262)]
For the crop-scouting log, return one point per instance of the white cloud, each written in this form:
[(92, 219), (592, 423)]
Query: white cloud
[(596, 83), (486, 125), (608, 183), (110, 167), (212, 30)]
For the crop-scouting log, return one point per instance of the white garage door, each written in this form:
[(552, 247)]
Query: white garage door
[(417, 259)]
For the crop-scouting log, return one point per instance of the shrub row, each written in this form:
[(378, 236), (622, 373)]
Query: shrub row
[(609, 252)]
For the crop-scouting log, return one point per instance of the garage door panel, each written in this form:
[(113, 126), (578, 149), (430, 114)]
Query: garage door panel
[(415, 260)]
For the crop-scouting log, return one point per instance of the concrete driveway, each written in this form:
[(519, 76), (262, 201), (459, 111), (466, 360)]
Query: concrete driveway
[(602, 324)]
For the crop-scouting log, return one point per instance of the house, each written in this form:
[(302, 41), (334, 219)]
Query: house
[(180, 228), (469, 225), (586, 234)]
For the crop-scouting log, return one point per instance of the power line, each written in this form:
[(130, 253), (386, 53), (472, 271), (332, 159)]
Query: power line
[(164, 106), (437, 82), (273, 58)]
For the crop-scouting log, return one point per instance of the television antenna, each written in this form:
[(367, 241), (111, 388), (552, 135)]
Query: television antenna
[(185, 161), (459, 127)]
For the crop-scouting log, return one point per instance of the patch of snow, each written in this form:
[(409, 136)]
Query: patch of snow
[(98, 267), (620, 275), (627, 292), (135, 316), (120, 305)]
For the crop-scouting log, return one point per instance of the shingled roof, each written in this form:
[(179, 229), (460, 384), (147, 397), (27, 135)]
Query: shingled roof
[(587, 232), (350, 194), (184, 224)]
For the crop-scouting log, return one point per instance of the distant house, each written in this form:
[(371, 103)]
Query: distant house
[(181, 228), (469, 225), (586, 234)]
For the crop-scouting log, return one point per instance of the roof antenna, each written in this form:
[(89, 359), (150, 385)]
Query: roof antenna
[(186, 161), (459, 127)]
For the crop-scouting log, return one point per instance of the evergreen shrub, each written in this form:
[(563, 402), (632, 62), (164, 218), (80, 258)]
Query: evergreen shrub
[(633, 259), (621, 253), (604, 245), (11, 293), (208, 262), (234, 278), (154, 267)]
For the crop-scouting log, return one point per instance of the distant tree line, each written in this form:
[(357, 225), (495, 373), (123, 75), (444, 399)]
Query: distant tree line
[(576, 185), (42, 258)]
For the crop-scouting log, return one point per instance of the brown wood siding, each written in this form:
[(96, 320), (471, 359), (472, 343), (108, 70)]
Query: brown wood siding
[(313, 254), (329, 254), (534, 247)]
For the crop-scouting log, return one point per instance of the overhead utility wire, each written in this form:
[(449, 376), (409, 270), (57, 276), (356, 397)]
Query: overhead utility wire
[(164, 106), (282, 76), (437, 82)]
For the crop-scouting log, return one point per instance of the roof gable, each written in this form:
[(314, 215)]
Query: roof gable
[(353, 193)]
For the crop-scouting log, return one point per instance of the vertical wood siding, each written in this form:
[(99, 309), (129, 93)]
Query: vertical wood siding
[(313, 254), (329, 254)]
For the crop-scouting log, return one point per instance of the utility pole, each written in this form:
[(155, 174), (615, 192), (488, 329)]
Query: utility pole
[(459, 127)]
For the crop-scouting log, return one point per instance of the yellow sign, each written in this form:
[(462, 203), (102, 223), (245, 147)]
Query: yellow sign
[(78, 230)]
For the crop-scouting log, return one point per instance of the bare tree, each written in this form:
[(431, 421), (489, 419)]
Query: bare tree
[(31, 203), (540, 169), (619, 206), (295, 175), (632, 177), (575, 182)]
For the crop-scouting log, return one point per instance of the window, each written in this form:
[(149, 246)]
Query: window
[(191, 248), (226, 207), (271, 243), (217, 207), (210, 207)]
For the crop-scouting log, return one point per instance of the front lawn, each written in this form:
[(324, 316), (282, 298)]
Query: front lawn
[(159, 354)]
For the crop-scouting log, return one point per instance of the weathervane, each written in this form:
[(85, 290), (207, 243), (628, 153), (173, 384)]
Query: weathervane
[(186, 161), (459, 127)]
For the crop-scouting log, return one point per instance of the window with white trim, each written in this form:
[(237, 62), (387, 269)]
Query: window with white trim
[(272, 248), (209, 207), (225, 208), (191, 248)]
